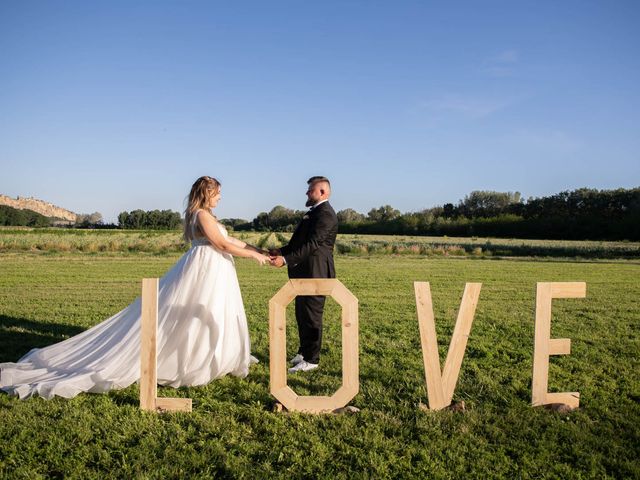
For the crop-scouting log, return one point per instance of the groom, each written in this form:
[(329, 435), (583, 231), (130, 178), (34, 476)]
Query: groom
[(309, 254)]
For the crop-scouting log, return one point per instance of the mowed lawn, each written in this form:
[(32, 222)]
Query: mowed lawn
[(233, 431)]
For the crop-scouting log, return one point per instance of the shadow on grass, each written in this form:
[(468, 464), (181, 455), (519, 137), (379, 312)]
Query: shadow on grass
[(129, 396), (19, 335)]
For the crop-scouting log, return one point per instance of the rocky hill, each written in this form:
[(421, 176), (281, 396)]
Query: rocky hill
[(44, 208)]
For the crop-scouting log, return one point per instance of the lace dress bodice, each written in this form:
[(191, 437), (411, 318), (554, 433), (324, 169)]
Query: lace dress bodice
[(197, 240)]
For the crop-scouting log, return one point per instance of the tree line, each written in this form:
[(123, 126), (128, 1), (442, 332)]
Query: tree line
[(578, 214), (573, 215), (10, 216), (150, 220), (136, 219)]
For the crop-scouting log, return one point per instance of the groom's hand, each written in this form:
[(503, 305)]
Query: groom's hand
[(276, 260)]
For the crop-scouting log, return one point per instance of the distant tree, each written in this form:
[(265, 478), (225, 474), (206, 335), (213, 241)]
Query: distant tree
[(10, 216), (172, 220), (483, 203), (136, 219), (261, 222), (280, 217), (87, 220), (579, 214), (123, 219), (233, 222), (349, 215), (151, 220), (449, 210), (433, 212), (383, 214)]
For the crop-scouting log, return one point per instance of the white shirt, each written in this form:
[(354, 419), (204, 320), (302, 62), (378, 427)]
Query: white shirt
[(320, 202)]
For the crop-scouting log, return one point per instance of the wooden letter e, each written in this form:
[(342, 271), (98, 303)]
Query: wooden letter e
[(544, 345)]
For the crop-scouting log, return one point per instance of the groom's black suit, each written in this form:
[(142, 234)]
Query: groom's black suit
[(309, 254)]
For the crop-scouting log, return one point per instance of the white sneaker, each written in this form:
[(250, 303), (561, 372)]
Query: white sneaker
[(253, 360), (296, 360), (303, 366)]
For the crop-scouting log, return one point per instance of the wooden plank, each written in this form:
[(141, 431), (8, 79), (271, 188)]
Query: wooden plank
[(541, 344), (148, 342), (458, 344), (284, 295), (344, 297), (315, 404), (571, 399), (313, 286), (174, 404), (568, 289), (544, 345), (277, 345), (429, 343), (285, 395), (350, 349), (559, 346), (343, 396)]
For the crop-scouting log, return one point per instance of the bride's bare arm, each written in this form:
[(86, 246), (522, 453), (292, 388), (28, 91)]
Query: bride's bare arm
[(208, 226), (239, 243)]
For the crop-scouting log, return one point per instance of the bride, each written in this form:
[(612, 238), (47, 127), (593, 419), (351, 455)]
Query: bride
[(202, 327)]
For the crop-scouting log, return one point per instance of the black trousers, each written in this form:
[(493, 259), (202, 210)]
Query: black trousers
[(309, 317)]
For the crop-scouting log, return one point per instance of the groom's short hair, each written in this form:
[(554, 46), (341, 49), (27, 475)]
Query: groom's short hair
[(317, 179)]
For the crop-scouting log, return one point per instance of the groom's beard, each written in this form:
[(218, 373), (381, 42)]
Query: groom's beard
[(310, 203)]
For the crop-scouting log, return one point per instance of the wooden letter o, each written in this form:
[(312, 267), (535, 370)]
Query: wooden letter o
[(278, 338)]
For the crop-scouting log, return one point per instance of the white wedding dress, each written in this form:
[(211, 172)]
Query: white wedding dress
[(202, 335)]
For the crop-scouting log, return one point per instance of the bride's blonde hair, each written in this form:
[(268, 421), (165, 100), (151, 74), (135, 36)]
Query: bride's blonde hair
[(201, 191)]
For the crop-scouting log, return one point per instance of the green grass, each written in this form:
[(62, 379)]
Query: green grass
[(484, 247), (233, 432), (170, 242), (57, 240)]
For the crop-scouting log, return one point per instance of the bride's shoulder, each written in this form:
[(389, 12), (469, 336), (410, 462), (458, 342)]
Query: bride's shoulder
[(202, 213)]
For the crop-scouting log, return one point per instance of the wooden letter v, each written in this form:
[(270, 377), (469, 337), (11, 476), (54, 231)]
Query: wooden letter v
[(440, 387)]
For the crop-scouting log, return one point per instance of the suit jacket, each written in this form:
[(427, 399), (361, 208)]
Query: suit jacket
[(309, 253)]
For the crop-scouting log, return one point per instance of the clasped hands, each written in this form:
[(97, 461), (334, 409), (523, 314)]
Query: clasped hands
[(275, 258)]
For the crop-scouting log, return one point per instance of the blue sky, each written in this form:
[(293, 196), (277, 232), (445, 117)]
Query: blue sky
[(118, 105)]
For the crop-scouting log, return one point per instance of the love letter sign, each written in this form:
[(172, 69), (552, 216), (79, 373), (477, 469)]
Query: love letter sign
[(440, 383)]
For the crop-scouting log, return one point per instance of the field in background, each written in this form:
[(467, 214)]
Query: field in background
[(163, 242), (233, 433)]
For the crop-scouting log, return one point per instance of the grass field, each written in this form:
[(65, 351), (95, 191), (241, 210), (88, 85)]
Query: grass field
[(167, 242), (233, 432)]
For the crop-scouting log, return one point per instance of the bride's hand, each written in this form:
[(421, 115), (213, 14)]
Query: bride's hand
[(260, 258)]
